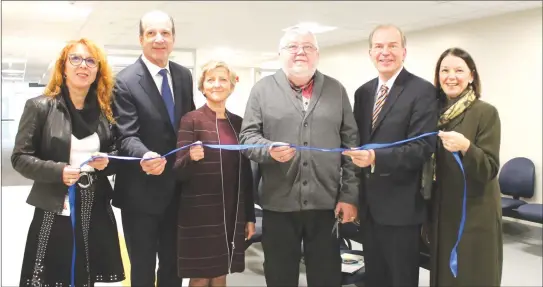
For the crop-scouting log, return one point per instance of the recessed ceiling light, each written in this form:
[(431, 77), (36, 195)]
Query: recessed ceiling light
[(313, 27)]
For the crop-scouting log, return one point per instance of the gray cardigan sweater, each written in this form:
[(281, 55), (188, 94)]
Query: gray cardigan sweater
[(312, 180)]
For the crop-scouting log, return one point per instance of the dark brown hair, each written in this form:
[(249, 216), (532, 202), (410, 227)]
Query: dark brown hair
[(462, 54)]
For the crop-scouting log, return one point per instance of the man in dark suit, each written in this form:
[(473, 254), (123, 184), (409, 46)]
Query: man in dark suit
[(394, 106), (151, 96)]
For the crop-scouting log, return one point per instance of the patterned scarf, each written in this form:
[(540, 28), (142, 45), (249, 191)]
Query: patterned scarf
[(465, 100)]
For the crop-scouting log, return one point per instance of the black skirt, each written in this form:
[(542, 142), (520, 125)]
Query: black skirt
[(48, 254)]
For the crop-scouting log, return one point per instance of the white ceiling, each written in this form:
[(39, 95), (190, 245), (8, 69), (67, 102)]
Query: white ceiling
[(34, 32)]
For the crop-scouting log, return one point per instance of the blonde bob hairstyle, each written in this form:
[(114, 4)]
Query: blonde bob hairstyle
[(211, 65), (104, 77)]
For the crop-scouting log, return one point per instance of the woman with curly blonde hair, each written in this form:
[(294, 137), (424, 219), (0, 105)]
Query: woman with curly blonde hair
[(58, 132)]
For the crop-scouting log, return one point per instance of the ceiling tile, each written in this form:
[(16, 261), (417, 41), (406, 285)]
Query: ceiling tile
[(35, 31)]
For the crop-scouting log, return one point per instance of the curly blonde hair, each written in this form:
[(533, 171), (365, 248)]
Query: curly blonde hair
[(104, 77)]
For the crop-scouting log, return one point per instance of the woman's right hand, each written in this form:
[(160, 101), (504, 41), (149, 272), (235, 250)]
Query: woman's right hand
[(197, 152), (70, 175)]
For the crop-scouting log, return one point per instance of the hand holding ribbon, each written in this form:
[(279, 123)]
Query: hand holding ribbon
[(361, 158), (196, 151), (99, 161), (454, 141), (283, 152), (152, 163), (70, 175)]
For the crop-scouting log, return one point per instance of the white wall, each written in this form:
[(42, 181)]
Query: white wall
[(508, 53), (14, 97)]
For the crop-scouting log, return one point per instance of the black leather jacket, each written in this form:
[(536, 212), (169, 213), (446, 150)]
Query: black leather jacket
[(42, 150)]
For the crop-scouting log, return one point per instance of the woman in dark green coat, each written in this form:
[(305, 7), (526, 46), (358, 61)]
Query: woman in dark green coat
[(471, 127)]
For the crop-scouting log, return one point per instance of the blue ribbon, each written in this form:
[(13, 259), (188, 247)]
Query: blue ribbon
[(453, 262), (71, 198)]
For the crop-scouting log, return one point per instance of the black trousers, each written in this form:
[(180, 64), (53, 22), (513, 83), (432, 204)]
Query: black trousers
[(391, 254), (282, 236), (147, 234)]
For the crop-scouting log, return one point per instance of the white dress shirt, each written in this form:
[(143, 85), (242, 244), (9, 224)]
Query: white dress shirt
[(154, 70), (389, 83)]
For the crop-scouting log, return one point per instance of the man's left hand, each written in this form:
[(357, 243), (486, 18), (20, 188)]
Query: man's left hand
[(361, 158), (348, 211)]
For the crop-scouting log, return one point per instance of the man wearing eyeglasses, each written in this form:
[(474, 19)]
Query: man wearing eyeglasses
[(151, 96), (302, 190)]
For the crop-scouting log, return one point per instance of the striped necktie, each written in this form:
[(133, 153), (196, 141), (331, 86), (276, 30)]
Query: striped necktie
[(383, 93)]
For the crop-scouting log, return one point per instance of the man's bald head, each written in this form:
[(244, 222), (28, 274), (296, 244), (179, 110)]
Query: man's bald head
[(153, 16), (157, 37)]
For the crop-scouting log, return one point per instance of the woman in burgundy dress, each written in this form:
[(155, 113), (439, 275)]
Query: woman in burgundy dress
[(216, 212)]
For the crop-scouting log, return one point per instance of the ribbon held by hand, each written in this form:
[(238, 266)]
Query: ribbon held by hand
[(453, 262)]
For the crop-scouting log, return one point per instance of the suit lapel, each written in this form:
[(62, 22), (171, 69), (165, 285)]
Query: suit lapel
[(317, 92), (282, 81), (396, 90), (177, 79), (149, 86)]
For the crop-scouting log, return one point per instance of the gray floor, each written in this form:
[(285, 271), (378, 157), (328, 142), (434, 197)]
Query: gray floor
[(522, 264), (522, 249)]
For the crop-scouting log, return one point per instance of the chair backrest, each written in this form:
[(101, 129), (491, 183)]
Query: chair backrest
[(517, 178), (256, 182)]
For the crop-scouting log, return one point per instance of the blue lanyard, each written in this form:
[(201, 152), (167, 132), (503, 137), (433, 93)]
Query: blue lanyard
[(71, 198), (453, 262)]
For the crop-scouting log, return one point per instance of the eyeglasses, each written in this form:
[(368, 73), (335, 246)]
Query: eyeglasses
[(293, 49), (77, 60)]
